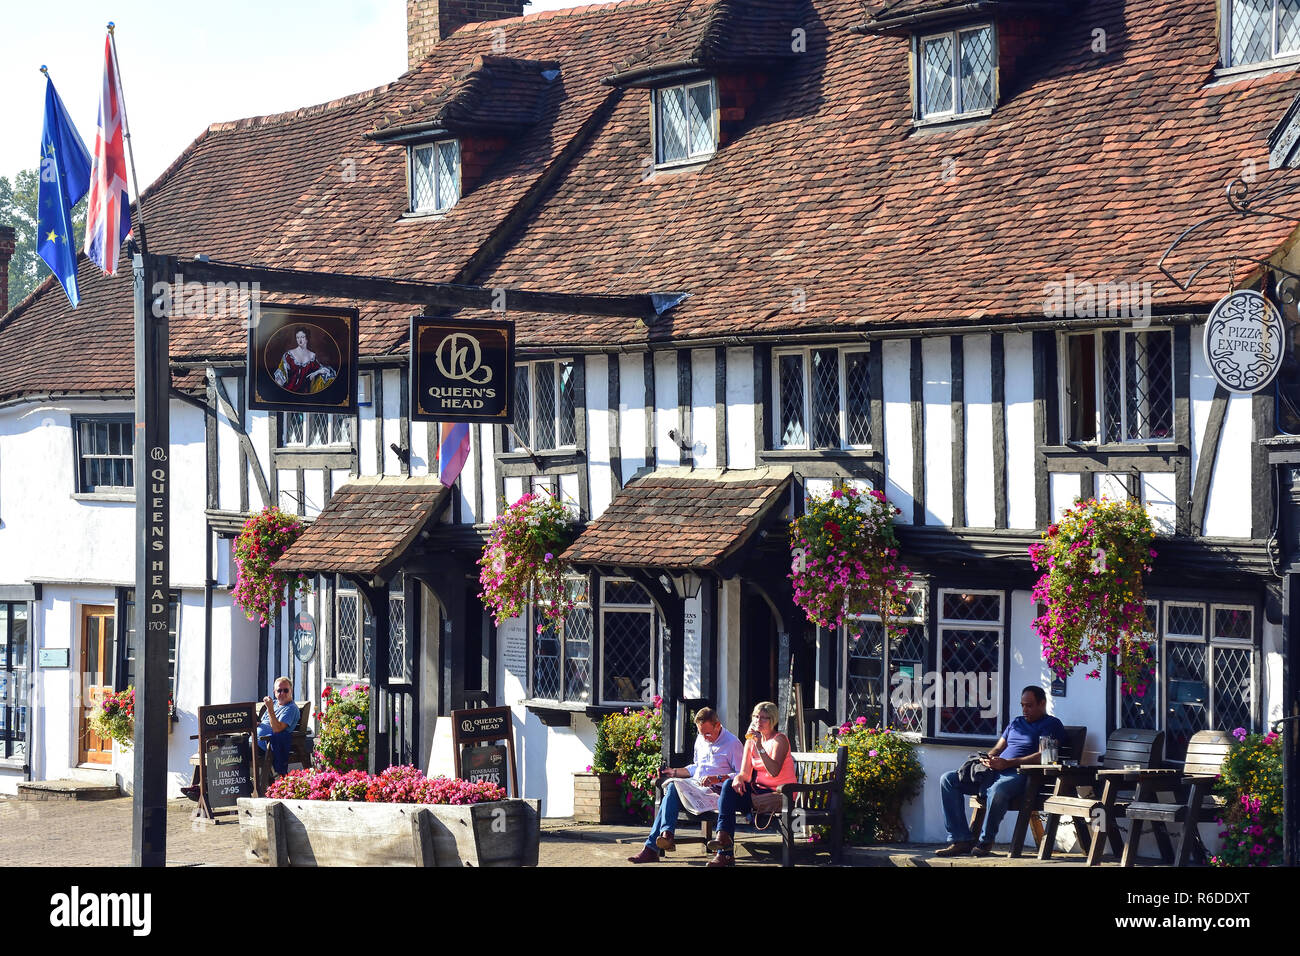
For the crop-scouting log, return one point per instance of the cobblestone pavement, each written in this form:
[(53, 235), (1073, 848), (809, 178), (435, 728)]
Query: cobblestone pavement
[(98, 833)]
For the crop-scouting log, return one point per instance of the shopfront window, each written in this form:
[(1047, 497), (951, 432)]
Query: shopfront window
[(14, 671)]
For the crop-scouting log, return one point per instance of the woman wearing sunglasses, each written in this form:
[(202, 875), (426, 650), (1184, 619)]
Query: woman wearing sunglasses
[(764, 767)]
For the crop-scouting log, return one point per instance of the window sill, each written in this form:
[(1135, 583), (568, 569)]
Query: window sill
[(1231, 74), (1121, 448), (104, 496), (13, 763), (786, 454), (423, 215), (951, 122), (684, 165)]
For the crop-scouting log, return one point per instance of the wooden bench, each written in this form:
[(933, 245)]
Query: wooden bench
[(1095, 797), (1193, 801), (1036, 791), (815, 799)]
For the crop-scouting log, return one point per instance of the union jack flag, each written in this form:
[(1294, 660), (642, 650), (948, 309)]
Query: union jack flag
[(108, 212)]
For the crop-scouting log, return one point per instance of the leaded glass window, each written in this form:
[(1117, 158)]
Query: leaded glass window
[(546, 404), (627, 629), (684, 123), (314, 430), (435, 176), (1259, 30), (956, 72), (971, 626), (883, 680), (561, 657), (1118, 384), (822, 398)]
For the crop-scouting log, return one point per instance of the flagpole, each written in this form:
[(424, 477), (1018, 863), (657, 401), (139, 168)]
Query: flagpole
[(126, 135)]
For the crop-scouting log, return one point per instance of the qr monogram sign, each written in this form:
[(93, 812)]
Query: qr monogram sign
[(462, 371), (1243, 341)]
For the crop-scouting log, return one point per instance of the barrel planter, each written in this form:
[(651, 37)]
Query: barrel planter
[(598, 798), (343, 833)]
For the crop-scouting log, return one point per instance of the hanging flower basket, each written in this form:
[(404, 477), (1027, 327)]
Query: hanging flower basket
[(259, 588), (845, 559), (114, 718), (521, 562), (1094, 559)]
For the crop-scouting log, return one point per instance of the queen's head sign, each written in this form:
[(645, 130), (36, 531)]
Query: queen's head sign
[(1244, 341)]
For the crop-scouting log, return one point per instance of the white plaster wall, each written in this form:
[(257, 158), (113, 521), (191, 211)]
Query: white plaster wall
[(1201, 393), (667, 452), (420, 447), (1019, 356), (977, 386), (631, 413), (366, 437), (338, 478), (703, 420), (599, 485), (569, 489), (897, 386), (1271, 676), (1064, 489), (392, 420), (936, 363), (1158, 496), (1114, 487), (1227, 510), (289, 492), (466, 479), (487, 453), (259, 432), (740, 408), (515, 489), (313, 480), (818, 487)]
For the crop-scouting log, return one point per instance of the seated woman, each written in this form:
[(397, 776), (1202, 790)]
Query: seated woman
[(765, 766)]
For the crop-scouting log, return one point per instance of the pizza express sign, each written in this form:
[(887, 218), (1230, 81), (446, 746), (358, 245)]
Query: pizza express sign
[(1244, 341), (462, 371)]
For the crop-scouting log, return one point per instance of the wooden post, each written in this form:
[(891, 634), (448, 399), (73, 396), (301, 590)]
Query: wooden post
[(380, 725), (152, 569)]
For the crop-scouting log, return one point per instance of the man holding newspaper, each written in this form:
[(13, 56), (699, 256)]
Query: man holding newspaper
[(718, 755)]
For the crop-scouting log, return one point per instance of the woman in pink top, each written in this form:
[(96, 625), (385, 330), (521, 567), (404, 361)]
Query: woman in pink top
[(765, 766)]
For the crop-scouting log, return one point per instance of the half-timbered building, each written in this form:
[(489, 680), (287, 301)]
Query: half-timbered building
[(912, 246)]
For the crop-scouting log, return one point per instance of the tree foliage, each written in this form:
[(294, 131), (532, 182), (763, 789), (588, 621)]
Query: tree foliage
[(18, 198)]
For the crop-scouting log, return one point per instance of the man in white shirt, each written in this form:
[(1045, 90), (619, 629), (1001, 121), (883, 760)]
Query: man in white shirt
[(717, 756)]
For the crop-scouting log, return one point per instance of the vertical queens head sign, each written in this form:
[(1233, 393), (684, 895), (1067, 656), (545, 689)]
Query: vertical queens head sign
[(462, 371), (1243, 341)]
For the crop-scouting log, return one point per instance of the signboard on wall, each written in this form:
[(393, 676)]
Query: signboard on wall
[(303, 359), (476, 736), (1244, 341), (462, 370)]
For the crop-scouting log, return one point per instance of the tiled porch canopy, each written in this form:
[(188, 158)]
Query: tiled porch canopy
[(367, 527), (679, 519)]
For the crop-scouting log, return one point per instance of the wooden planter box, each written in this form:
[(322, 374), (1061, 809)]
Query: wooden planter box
[(597, 798), (342, 833)]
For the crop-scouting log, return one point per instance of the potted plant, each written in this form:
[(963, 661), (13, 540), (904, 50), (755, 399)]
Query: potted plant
[(1092, 591), (845, 559), (598, 793), (883, 773), (259, 588), (336, 818), (1251, 787), (343, 739)]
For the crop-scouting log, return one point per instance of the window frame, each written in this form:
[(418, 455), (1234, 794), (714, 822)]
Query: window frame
[(919, 618), (534, 619), (1211, 644), (805, 353), (954, 74), (942, 624), (332, 423), (13, 746), (605, 606), (528, 392), (1275, 57), (440, 205), (396, 596), (1100, 410), (78, 455), (657, 125)]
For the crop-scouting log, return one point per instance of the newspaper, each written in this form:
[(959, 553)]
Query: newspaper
[(696, 797)]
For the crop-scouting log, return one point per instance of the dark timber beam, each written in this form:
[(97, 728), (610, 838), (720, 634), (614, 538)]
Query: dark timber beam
[(430, 294)]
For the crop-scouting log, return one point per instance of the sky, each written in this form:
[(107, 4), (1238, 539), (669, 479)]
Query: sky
[(187, 65)]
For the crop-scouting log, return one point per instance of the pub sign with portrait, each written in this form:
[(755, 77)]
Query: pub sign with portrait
[(462, 370), (303, 359)]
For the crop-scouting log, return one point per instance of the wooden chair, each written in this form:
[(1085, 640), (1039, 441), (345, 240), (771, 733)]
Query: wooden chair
[(300, 747), (1193, 804), (1036, 791), (1096, 797), (817, 799)]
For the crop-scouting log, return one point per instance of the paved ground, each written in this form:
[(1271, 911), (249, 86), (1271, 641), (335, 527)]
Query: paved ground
[(98, 833)]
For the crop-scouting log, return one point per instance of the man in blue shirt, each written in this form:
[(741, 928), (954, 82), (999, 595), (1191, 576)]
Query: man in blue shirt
[(1017, 745), (718, 755), (278, 725)]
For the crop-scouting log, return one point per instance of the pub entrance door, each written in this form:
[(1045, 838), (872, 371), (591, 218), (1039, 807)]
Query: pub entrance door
[(759, 672), (98, 657)]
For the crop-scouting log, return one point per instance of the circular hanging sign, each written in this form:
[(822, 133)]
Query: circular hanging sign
[(304, 637), (1244, 341)]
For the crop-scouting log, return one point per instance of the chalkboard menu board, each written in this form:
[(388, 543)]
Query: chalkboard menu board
[(230, 771), (484, 764), (485, 726)]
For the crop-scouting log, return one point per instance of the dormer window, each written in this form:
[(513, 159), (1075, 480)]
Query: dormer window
[(435, 176), (685, 122), (955, 73), (1260, 30)]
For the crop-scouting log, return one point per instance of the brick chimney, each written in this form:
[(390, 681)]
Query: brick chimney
[(428, 21), (6, 253)]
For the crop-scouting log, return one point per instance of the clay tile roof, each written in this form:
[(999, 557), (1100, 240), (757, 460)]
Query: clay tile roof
[(886, 14), (678, 518), (495, 93), (718, 34), (366, 527)]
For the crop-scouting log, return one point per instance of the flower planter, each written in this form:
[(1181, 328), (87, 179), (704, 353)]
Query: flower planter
[(342, 833), (598, 798)]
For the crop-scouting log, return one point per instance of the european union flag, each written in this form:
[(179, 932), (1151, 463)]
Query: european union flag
[(65, 178)]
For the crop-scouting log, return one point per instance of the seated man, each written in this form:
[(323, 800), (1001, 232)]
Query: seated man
[(278, 725), (1017, 745), (717, 756)]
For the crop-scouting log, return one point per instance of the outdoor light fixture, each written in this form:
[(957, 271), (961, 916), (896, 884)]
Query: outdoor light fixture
[(685, 585)]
